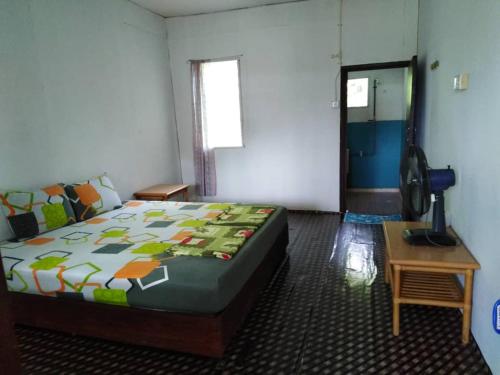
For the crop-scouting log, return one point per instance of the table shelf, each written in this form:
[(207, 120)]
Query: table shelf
[(431, 288)]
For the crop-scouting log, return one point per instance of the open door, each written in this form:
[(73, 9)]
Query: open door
[(411, 130), (410, 133), (411, 95)]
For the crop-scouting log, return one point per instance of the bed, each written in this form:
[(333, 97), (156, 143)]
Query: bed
[(134, 275)]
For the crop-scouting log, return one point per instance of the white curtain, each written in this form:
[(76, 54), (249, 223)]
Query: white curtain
[(204, 158)]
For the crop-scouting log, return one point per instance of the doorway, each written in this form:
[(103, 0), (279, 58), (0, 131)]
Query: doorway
[(376, 128)]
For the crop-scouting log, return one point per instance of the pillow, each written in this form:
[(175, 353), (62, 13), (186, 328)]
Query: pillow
[(92, 197), (32, 213)]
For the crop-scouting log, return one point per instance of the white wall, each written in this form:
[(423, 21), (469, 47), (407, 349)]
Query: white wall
[(379, 30), (84, 89), (462, 129), (291, 133), (391, 94)]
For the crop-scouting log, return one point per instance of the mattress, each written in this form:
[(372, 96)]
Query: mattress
[(117, 258)]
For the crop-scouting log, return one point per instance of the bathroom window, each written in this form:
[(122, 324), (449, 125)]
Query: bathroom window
[(357, 93)]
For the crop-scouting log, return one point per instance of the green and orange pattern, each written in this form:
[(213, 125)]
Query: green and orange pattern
[(92, 197), (32, 213)]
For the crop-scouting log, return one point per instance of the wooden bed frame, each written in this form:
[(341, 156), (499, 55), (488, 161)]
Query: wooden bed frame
[(9, 363), (206, 335)]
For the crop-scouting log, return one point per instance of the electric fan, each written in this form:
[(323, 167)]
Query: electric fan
[(419, 182)]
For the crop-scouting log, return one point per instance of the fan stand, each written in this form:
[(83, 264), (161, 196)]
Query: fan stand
[(437, 236)]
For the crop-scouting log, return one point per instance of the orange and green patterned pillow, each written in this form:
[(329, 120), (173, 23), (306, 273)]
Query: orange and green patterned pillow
[(92, 197), (33, 212)]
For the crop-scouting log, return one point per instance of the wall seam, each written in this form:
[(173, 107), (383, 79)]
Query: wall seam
[(174, 109)]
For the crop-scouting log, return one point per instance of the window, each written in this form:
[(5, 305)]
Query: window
[(220, 103), (357, 92)]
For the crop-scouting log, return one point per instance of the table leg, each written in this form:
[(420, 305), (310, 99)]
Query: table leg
[(186, 195), (386, 269), (469, 275), (395, 300)]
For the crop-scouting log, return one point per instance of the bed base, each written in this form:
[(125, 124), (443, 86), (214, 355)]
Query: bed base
[(206, 335)]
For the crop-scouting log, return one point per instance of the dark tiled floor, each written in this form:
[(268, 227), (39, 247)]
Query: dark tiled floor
[(319, 316), (374, 203)]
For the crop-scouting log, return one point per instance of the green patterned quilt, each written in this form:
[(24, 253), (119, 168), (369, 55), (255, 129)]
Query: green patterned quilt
[(102, 258), (223, 235)]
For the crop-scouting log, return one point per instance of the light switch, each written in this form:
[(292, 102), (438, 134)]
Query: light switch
[(461, 82)]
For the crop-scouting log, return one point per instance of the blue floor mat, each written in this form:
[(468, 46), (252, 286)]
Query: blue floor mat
[(369, 219)]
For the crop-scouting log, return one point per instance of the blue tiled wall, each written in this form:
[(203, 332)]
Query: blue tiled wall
[(375, 153)]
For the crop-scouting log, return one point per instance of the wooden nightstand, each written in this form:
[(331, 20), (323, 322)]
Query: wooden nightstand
[(162, 192), (425, 275)]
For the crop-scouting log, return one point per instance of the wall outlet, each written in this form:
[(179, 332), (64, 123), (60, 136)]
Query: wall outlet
[(335, 104)]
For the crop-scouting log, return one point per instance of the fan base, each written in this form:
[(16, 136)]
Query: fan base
[(426, 237)]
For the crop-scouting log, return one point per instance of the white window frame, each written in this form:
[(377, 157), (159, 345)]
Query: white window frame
[(238, 62)]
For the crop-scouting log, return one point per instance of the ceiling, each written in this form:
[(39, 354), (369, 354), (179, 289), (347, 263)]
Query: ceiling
[(174, 8)]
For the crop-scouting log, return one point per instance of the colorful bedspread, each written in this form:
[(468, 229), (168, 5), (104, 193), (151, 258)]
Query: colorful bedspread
[(98, 259)]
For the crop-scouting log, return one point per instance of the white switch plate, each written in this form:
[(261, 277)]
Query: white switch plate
[(496, 317), (335, 104), (461, 82)]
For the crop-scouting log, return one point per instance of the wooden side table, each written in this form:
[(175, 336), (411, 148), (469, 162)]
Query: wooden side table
[(162, 192), (424, 275)]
